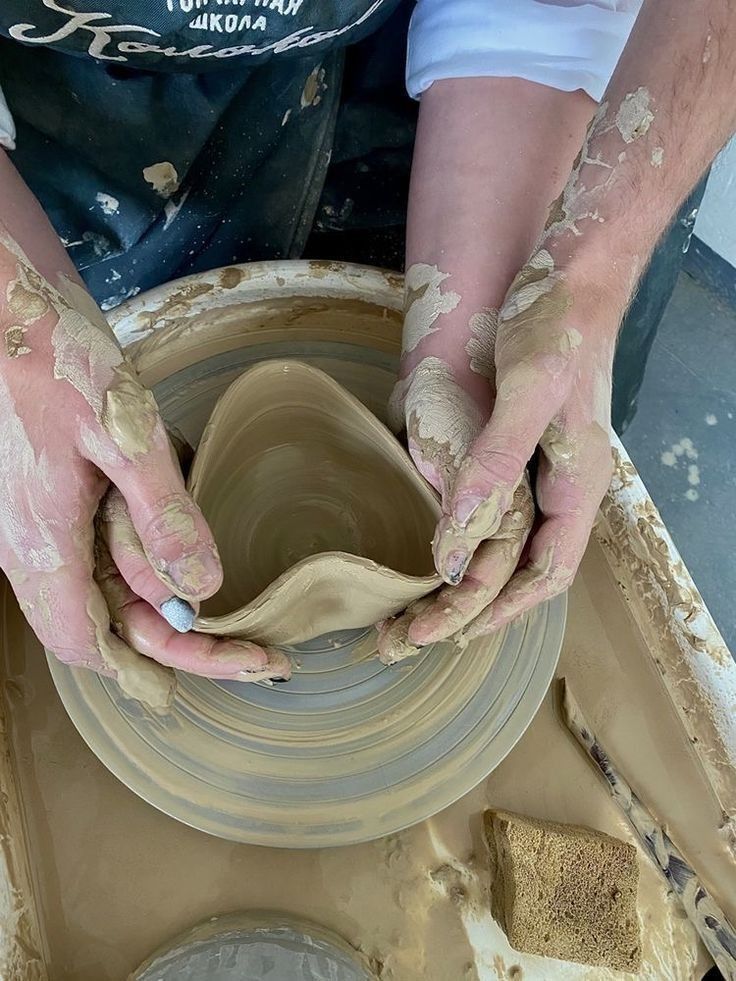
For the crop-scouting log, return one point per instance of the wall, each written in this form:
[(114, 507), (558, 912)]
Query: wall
[(716, 222)]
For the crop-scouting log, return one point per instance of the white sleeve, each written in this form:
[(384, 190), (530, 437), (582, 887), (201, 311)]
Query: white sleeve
[(565, 44), (7, 126)]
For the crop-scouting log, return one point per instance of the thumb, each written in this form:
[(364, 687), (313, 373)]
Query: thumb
[(116, 528), (486, 481), (442, 420), (171, 529)]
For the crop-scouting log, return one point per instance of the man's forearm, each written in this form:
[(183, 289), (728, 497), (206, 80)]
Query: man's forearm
[(490, 157), (668, 109)]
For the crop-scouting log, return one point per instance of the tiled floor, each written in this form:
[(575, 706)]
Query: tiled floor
[(683, 441)]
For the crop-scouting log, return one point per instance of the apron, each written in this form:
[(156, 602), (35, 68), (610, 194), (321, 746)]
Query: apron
[(165, 137)]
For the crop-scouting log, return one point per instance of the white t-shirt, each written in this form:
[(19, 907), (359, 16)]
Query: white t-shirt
[(566, 44)]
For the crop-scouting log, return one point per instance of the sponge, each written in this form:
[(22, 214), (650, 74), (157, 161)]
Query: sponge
[(564, 891)]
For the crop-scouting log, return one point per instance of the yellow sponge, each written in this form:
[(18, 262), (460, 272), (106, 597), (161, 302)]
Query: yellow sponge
[(564, 891)]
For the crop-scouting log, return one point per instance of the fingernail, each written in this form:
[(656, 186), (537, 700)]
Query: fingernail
[(455, 566), (197, 573), (178, 614), (465, 508)]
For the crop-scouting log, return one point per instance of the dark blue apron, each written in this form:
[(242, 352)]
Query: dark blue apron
[(163, 137)]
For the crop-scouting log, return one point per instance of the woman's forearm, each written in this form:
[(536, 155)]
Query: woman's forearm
[(491, 155), (25, 221)]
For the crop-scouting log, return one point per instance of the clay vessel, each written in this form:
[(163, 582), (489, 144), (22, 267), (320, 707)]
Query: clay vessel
[(320, 517)]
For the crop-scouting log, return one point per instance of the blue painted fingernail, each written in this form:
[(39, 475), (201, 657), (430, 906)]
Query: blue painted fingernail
[(455, 567), (178, 614)]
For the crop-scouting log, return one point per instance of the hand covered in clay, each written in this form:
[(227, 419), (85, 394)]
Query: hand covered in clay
[(443, 401), (546, 360), (73, 419)]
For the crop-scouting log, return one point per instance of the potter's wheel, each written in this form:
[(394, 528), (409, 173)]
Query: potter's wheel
[(349, 749)]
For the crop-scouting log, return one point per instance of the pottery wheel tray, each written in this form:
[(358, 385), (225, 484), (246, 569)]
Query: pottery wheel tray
[(349, 749)]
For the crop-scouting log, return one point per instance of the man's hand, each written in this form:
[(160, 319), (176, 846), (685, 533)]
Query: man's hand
[(553, 348), (546, 362), (73, 419), (491, 153)]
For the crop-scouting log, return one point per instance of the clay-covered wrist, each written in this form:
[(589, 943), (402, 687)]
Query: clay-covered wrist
[(598, 278)]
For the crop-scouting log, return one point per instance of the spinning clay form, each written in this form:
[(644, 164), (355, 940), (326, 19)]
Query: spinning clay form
[(320, 518)]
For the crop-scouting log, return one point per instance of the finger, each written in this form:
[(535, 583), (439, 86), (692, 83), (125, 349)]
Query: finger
[(489, 571), (70, 617), (553, 560), (536, 367), (570, 490), (442, 420), (490, 474), (126, 551), (146, 631), (172, 530), (393, 635)]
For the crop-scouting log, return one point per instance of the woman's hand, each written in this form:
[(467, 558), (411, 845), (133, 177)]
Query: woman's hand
[(74, 419), (134, 593)]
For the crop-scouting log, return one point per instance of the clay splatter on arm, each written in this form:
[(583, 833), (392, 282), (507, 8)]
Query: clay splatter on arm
[(425, 303)]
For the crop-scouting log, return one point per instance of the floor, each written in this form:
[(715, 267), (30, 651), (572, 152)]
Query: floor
[(683, 440)]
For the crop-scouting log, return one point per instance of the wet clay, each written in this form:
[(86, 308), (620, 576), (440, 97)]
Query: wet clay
[(86, 354), (321, 521), (417, 901), (442, 419), (634, 117)]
